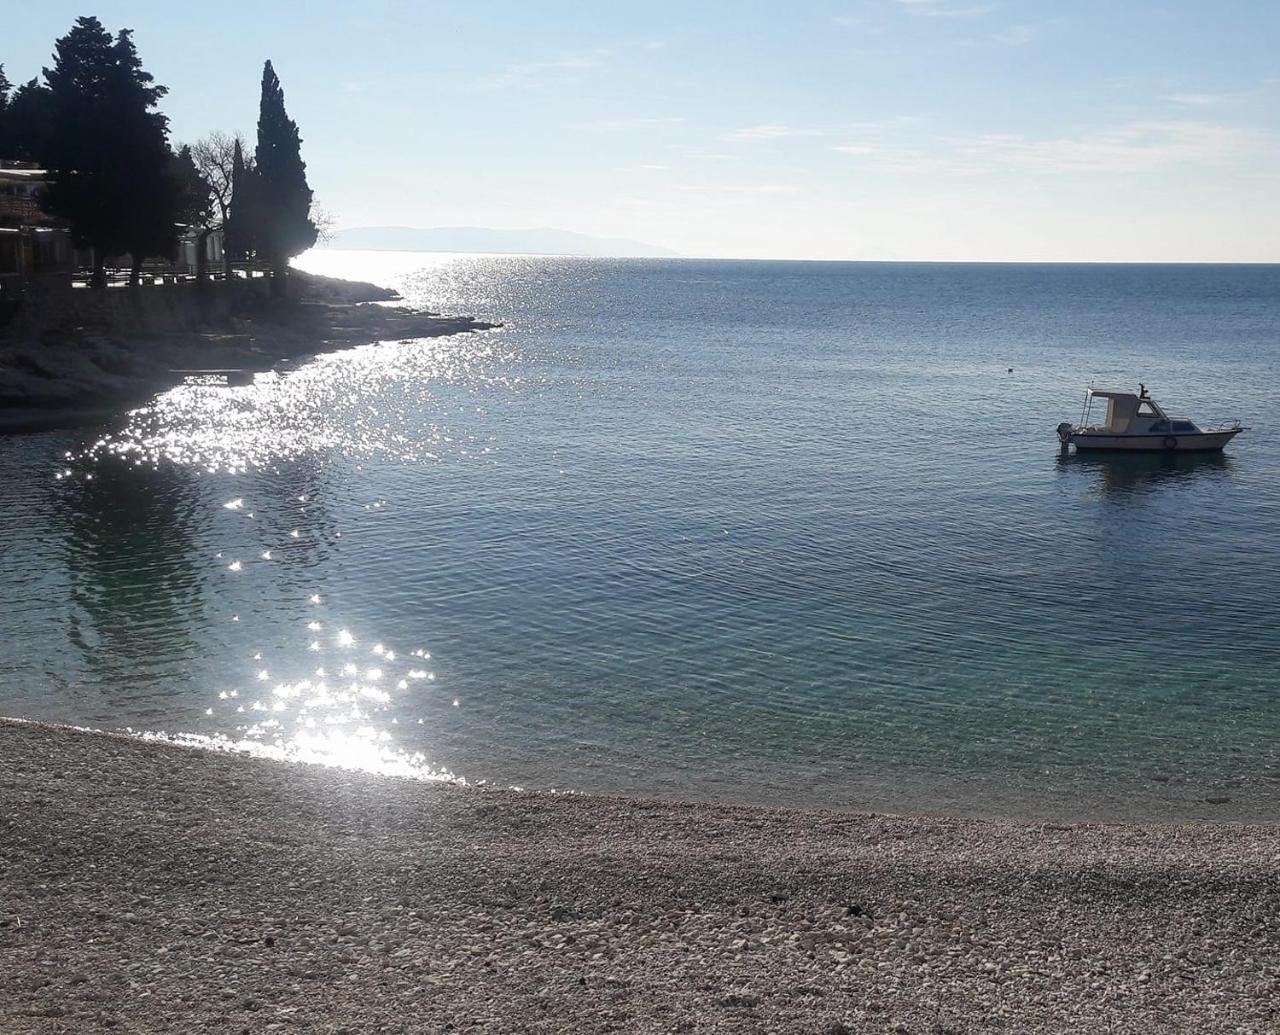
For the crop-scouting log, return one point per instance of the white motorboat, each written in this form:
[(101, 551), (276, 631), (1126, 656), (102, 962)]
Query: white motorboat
[(1136, 423)]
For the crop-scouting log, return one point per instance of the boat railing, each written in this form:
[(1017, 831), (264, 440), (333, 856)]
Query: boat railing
[(1210, 427)]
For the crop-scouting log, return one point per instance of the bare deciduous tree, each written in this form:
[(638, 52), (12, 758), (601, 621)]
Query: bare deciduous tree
[(213, 157), (324, 222)]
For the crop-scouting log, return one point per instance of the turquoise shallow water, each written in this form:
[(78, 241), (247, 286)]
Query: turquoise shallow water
[(784, 532)]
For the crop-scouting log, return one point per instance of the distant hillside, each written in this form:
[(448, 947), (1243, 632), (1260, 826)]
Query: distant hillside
[(542, 241)]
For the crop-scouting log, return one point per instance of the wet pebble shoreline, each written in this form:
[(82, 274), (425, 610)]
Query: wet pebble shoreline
[(155, 888)]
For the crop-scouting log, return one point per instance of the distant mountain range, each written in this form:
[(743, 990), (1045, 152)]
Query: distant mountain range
[(540, 241)]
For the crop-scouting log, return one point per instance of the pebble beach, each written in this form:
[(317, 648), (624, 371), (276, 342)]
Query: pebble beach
[(156, 888)]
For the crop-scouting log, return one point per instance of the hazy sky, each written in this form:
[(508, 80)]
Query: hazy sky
[(876, 129)]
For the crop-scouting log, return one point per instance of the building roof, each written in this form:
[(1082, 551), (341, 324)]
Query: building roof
[(23, 175)]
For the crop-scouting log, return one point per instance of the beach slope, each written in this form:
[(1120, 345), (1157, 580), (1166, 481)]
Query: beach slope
[(153, 888)]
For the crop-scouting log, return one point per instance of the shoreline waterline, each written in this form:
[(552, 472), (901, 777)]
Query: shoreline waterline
[(237, 890), (902, 795), (64, 375)]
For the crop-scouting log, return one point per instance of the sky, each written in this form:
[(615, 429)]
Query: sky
[(989, 130)]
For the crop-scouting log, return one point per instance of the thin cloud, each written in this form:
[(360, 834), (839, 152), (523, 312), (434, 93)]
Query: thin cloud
[(864, 24), (890, 158), (894, 122), (722, 190), (623, 125), (531, 72), (1133, 147), (771, 131), (943, 9), (1200, 100), (1129, 148), (1019, 35)]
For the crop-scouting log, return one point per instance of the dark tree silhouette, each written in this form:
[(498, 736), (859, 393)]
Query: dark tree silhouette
[(24, 126), (108, 148), (193, 201), (240, 241), (153, 198), (5, 87), (283, 199)]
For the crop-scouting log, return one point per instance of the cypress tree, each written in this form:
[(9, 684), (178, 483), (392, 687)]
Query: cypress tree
[(107, 148), (283, 199), (153, 195), (240, 236)]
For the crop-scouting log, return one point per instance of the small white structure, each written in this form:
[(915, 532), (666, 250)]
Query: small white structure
[(1136, 423), (190, 243)]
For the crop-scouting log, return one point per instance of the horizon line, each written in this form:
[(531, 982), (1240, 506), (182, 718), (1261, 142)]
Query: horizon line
[(769, 258)]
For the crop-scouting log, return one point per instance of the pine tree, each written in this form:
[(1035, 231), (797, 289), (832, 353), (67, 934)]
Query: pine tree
[(26, 123), (283, 199), (107, 148)]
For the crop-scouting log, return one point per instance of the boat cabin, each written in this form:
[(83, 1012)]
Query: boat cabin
[(1129, 414)]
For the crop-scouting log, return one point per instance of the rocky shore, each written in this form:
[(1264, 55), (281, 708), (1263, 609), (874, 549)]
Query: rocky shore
[(76, 369), (154, 888)]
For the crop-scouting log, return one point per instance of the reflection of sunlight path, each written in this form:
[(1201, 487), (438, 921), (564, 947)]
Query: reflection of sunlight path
[(335, 715), (365, 401), (330, 717), (362, 748)]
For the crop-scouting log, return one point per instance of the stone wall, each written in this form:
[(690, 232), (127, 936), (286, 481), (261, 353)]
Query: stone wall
[(51, 305)]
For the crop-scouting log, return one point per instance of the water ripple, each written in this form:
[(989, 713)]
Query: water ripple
[(762, 531)]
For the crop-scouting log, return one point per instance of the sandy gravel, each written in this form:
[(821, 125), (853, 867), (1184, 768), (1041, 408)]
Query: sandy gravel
[(153, 888)]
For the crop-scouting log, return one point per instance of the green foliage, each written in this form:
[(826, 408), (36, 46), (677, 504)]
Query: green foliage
[(283, 199), (107, 148)]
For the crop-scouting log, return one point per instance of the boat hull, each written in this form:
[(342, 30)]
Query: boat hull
[(1203, 442)]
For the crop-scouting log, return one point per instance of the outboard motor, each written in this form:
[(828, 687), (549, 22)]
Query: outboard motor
[(1064, 433)]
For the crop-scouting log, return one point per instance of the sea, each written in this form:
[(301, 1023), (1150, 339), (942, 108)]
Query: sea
[(781, 533)]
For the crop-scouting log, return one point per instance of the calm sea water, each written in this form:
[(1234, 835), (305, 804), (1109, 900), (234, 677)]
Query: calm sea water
[(782, 532)]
